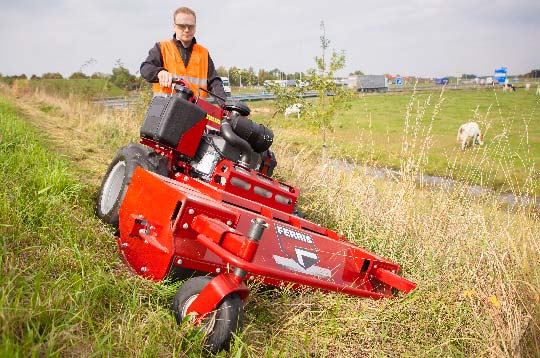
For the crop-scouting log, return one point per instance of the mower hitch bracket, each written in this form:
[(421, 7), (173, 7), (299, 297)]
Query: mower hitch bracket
[(142, 229)]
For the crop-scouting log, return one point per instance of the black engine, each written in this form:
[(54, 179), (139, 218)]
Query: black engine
[(240, 140), (177, 123)]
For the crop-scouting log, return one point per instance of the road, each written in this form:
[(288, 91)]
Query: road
[(120, 102)]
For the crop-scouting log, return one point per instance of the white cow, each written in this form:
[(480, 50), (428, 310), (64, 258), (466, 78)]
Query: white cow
[(508, 87), (538, 90), (469, 134), (293, 109)]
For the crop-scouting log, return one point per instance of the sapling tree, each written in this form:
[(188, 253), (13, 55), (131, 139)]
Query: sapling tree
[(330, 96)]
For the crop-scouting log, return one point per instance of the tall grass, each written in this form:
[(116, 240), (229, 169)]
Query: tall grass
[(475, 263), (478, 284), (472, 260), (87, 133)]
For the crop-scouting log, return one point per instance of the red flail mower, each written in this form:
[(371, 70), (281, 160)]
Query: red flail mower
[(195, 199)]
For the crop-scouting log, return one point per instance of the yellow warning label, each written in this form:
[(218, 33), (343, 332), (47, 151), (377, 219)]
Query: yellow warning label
[(213, 119)]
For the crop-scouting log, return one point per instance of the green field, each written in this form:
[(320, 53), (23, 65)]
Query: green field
[(393, 129)]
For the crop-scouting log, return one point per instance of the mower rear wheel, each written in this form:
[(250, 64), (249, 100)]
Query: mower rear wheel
[(118, 176), (220, 324)]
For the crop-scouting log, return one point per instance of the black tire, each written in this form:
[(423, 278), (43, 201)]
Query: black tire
[(118, 176), (221, 324)]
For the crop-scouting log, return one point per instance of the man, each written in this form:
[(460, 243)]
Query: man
[(182, 56)]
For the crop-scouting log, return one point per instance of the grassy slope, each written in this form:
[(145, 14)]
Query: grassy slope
[(478, 291)]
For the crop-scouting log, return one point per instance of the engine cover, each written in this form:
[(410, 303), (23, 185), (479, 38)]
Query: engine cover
[(175, 122)]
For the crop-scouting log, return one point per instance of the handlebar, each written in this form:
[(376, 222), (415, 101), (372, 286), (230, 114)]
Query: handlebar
[(180, 81), (177, 80)]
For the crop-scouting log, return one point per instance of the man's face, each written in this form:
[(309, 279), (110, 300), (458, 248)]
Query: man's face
[(184, 27)]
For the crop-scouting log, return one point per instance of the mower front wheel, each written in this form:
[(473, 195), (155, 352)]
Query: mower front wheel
[(220, 324), (118, 176)]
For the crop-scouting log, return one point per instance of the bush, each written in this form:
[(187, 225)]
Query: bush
[(52, 76), (78, 76)]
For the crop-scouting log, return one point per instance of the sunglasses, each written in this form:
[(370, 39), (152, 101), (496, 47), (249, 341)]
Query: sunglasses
[(186, 26)]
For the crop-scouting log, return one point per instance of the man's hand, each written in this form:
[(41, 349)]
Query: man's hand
[(165, 78)]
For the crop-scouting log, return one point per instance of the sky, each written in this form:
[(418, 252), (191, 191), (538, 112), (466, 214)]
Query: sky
[(427, 38)]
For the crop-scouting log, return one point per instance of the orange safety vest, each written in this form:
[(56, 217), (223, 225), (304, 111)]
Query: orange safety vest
[(196, 72)]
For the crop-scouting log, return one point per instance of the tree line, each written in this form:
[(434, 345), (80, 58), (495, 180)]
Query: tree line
[(238, 77), (122, 78)]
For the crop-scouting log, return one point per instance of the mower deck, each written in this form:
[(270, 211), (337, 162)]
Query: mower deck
[(194, 225)]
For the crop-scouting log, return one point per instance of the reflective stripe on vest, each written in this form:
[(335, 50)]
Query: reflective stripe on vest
[(196, 72)]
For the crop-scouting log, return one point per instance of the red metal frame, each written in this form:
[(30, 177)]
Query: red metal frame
[(209, 226), (198, 226), (241, 181)]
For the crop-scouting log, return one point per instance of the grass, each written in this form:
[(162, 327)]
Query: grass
[(82, 88), (373, 132), (65, 292)]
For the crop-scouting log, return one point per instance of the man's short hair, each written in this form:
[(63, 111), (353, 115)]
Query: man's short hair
[(184, 10)]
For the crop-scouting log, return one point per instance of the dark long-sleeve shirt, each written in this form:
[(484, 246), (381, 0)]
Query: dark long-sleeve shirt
[(154, 63)]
